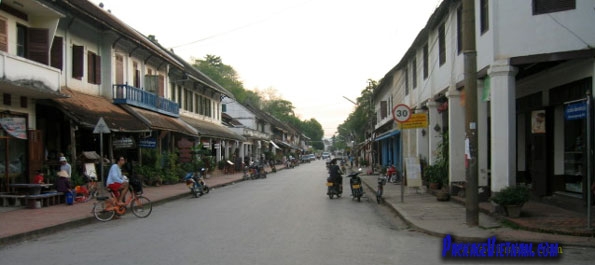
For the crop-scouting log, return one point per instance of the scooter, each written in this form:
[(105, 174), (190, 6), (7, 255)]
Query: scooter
[(356, 185), (195, 182)]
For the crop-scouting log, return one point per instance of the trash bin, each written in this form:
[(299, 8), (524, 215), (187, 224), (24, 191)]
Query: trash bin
[(69, 198)]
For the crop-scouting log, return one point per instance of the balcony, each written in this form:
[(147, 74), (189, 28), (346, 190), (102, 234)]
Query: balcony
[(125, 94), (25, 77)]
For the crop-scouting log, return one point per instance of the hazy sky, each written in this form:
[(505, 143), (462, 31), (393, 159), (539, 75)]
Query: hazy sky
[(312, 52)]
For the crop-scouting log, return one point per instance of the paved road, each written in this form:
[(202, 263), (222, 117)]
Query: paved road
[(284, 219)]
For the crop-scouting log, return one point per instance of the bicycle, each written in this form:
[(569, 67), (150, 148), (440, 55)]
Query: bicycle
[(92, 189), (106, 208)]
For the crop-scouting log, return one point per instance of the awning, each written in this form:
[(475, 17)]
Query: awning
[(275, 145), (86, 110), (158, 121), (209, 129), (387, 135)]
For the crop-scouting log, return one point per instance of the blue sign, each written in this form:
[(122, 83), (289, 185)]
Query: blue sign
[(147, 143), (575, 111)]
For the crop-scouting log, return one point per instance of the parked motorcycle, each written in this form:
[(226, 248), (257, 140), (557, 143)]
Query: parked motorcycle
[(356, 185), (195, 182), (256, 170), (381, 182)]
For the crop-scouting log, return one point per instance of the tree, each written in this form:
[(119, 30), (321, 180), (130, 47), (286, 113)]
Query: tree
[(360, 120)]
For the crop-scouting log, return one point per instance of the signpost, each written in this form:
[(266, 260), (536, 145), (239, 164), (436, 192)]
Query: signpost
[(401, 113), (101, 128)]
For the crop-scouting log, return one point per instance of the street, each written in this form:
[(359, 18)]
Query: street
[(284, 219)]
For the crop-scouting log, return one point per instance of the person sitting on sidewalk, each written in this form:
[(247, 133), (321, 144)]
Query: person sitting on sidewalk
[(117, 182)]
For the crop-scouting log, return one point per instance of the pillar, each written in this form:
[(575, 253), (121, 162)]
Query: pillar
[(434, 131), (503, 128), (456, 136)]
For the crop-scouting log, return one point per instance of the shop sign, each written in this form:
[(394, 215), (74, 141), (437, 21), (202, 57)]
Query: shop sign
[(417, 120), (147, 143), (217, 146), (15, 126), (575, 111), (124, 142)]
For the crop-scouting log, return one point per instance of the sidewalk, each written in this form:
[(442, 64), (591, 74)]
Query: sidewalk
[(18, 224), (539, 222)]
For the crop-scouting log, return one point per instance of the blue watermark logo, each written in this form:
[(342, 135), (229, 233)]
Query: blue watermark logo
[(494, 249)]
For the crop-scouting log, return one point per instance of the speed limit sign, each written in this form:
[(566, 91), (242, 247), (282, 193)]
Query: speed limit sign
[(401, 113)]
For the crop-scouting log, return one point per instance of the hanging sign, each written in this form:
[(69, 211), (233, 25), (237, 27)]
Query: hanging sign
[(15, 126), (575, 111), (147, 143), (417, 120)]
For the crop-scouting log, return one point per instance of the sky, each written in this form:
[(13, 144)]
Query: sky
[(313, 53)]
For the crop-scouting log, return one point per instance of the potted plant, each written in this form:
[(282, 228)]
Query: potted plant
[(512, 199)]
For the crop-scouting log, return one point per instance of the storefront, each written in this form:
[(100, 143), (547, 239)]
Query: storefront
[(13, 146)]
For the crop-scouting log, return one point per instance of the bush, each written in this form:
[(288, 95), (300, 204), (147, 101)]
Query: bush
[(517, 195)]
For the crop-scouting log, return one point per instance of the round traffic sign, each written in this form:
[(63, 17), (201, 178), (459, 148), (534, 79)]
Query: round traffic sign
[(401, 113)]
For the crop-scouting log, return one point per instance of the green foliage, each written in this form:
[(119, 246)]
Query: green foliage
[(512, 195), (438, 172)]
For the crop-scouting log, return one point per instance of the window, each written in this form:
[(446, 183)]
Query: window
[(414, 72), (77, 61), (550, 6), (484, 17), (93, 68), (136, 75), (151, 83), (3, 35), (223, 108), (425, 61), (459, 29), (189, 103), (406, 81), (383, 108), (21, 40), (441, 44), (119, 69), (56, 56)]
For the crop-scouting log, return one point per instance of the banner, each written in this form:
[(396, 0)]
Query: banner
[(15, 126)]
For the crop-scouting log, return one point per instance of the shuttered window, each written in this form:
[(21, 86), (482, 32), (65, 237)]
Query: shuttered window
[(77, 61), (56, 56), (119, 69), (161, 86), (441, 44), (484, 16), (383, 109), (3, 35), (425, 61), (93, 68), (414, 72), (550, 6), (38, 45)]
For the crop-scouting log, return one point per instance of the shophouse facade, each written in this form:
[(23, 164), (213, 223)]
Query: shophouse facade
[(70, 63), (534, 59)]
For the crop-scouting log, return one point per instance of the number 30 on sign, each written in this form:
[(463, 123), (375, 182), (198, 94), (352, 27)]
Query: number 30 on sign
[(401, 113)]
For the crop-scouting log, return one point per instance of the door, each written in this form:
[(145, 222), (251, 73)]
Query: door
[(537, 152)]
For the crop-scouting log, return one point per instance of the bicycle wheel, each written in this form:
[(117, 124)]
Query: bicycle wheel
[(141, 207), (100, 213)]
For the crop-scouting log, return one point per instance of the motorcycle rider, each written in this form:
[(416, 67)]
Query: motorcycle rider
[(335, 174)]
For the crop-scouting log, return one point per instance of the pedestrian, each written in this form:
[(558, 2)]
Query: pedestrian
[(65, 166), (38, 179), (63, 182)]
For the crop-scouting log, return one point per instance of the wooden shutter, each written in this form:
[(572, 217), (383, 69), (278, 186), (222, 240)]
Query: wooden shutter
[(383, 109), (119, 70), (3, 35), (56, 56), (161, 86), (93, 68), (77, 61), (38, 45)]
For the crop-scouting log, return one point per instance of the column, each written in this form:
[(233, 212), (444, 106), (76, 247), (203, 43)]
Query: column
[(434, 130), (421, 136), (456, 136), (482, 137), (503, 129)]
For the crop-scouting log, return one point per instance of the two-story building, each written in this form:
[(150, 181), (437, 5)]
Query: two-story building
[(535, 62)]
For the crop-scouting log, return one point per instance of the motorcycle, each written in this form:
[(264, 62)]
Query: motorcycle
[(195, 182), (257, 170), (356, 185), (381, 182), (334, 189)]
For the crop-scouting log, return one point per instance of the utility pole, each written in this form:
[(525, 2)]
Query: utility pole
[(470, 61)]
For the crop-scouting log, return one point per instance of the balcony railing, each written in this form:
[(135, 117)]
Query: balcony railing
[(125, 94)]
